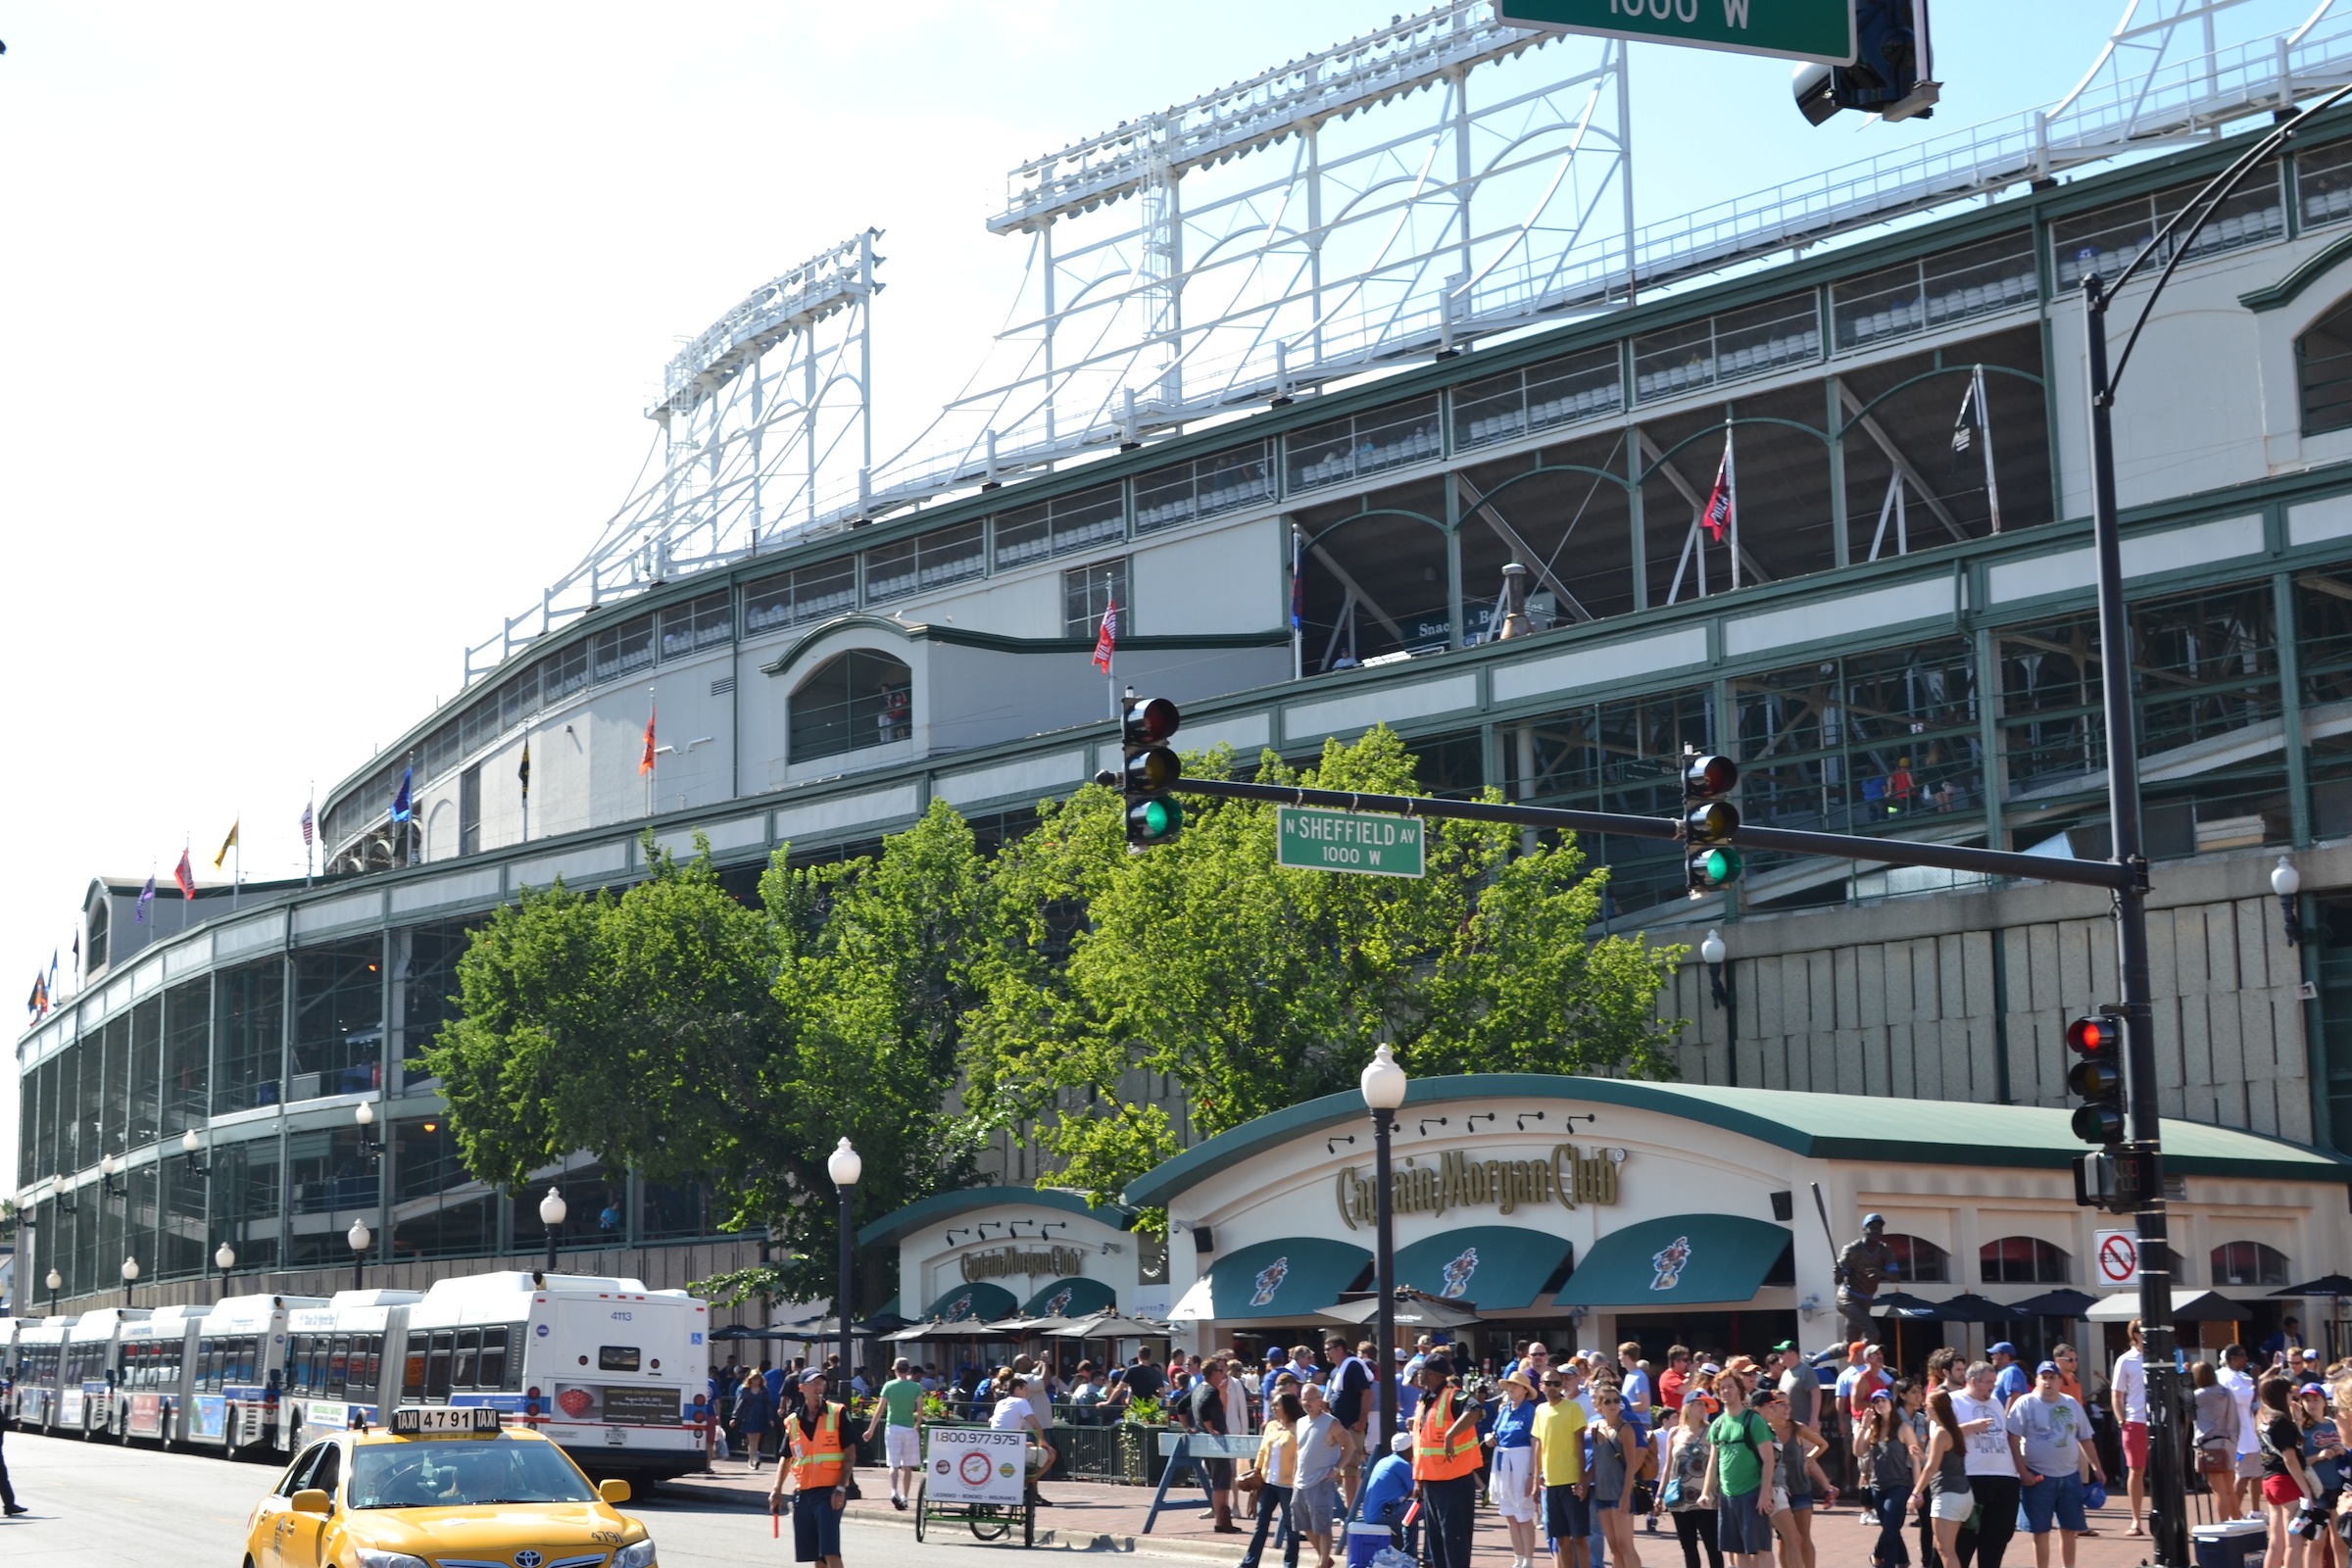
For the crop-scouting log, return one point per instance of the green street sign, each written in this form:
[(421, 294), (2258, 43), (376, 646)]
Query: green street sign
[(1788, 30), (1310, 840)]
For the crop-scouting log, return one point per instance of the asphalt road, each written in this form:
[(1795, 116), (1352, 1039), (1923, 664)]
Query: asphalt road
[(95, 1505)]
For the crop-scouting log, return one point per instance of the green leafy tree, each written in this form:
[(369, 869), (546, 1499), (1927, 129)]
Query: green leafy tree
[(1257, 987), (673, 1031)]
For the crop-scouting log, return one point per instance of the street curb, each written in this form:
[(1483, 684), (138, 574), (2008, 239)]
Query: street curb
[(1057, 1539)]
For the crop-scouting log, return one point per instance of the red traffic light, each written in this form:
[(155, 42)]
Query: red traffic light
[(1151, 721), (1709, 776), (2093, 1036)]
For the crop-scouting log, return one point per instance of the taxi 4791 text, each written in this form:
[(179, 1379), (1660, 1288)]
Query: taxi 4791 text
[(442, 1486)]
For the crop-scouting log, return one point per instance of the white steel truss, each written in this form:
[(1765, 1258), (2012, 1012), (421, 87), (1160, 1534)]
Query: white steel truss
[(1446, 177), (754, 413)]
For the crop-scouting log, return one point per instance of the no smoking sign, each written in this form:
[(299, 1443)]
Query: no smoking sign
[(2118, 1257)]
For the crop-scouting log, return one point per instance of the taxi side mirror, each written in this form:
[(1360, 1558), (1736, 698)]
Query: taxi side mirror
[(613, 1492), (310, 1500)]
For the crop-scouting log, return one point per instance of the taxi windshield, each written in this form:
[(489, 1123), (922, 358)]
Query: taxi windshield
[(457, 1473)]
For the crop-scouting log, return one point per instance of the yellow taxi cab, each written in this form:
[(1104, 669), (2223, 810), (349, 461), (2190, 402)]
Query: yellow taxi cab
[(441, 1488)]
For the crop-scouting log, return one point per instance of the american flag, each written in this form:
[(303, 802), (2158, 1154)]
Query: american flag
[(308, 825), (1109, 637)]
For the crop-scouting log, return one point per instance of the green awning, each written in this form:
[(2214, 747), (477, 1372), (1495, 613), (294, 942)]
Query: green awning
[(1679, 1261), (1076, 1296), (1291, 1279), (973, 1303), (1500, 1267)]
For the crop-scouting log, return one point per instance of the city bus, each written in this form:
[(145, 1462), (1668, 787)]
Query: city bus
[(41, 1355), (236, 1371), (154, 1361), (605, 1367), (343, 1363), (88, 1387)]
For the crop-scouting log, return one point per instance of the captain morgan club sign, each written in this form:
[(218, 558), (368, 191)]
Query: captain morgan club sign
[(1456, 1179)]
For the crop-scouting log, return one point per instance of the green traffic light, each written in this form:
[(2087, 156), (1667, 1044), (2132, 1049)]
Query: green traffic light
[(1713, 868), (1153, 820)]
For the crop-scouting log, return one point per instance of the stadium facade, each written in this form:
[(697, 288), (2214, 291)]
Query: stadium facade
[(1893, 634)]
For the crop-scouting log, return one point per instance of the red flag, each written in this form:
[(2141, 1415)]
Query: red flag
[(646, 765), (184, 876), (1107, 639), (1719, 500)]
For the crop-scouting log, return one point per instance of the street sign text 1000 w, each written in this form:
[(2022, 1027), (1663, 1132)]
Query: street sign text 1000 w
[(1788, 30), (1312, 840)]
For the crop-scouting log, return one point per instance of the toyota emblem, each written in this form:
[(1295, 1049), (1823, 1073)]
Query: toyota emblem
[(527, 1559)]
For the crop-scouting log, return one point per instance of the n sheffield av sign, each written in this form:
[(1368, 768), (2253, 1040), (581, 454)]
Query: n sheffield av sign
[(1309, 839), (1790, 30)]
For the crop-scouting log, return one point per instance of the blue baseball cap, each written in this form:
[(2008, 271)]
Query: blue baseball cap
[(2003, 1348)]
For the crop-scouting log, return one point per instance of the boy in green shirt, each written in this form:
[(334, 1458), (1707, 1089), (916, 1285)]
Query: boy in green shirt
[(1740, 1465), (901, 1398)]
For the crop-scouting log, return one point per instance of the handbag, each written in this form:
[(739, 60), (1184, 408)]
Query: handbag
[(1672, 1497), (1249, 1480)]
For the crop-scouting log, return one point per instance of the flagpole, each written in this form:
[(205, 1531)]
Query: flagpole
[(1298, 597), (236, 867), (309, 830), (1110, 665), (1993, 484), (1731, 480)]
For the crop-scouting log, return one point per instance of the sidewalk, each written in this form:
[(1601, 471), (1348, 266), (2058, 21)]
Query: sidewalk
[(1089, 1516)]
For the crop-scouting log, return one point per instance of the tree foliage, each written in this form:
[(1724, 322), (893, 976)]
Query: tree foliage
[(673, 1031), (1256, 987)]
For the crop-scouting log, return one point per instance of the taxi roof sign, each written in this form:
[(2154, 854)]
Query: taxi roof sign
[(443, 1420)]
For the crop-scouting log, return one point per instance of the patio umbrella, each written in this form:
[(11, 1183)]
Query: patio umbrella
[(2060, 1303), (1411, 1309), (1970, 1308), (1897, 1303), (1110, 1326), (2324, 1284)]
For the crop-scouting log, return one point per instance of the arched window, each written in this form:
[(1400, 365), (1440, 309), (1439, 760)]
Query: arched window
[(2248, 1264), (2023, 1260), (1918, 1260), (849, 702), (2324, 370)]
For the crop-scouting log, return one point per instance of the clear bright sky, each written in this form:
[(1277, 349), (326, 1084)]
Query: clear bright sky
[(325, 332)]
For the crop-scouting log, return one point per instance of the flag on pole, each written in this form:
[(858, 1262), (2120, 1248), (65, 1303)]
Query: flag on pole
[(38, 1003), (78, 957), (1298, 597), (53, 971), (524, 773), (227, 843), (1968, 422), (400, 797), (645, 765), (310, 824), (1107, 640), (185, 875), (1720, 500), (146, 897)]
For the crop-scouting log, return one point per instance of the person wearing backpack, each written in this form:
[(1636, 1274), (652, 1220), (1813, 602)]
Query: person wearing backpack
[(1741, 1462)]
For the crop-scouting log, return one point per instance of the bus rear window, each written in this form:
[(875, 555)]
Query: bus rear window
[(616, 1358)]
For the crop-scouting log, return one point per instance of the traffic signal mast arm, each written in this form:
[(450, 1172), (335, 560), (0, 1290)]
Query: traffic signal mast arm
[(1840, 846)]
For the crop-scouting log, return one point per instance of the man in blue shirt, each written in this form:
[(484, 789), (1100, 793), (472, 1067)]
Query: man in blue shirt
[(2009, 1383), (1388, 1490)]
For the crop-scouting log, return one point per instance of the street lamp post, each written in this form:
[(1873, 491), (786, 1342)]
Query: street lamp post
[(56, 1282), (845, 1167), (130, 1277), (192, 1148), (552, 1209), (1384, 1085), (359, 1236), (224, 1258), (2286, 882)]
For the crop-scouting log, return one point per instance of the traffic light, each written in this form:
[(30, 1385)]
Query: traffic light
[(2097, 1078), (1149, 770), (1892, 72), (1708, 823)]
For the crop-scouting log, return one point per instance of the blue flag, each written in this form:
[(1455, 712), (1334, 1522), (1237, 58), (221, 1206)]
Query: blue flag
[(400, 797), (146, 897)]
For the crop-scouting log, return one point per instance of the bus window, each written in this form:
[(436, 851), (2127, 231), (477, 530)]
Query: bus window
[(338, 1365), (492, 1373), (412, 1369), (248, 1357), (616, 1358), (436, 1365), (469, 1349), (366, 1363)]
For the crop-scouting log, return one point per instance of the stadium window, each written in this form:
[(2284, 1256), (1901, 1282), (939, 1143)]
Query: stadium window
[(2324, 372), (2022, 1260), (1086, 590), (2248, 1264), (691, 627), (852, 701), (1920, 1261)]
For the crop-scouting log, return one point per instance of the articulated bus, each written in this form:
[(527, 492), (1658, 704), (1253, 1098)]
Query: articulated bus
[(85, 1391), (602, 1366), (237, 1369), (41, 1355), (154, 1358), (343, 1363)]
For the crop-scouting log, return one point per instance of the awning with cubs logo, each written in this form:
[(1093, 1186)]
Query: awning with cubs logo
[(1291, 1280), (1500, 1267), (1075, 1296), (1681, 1260)]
